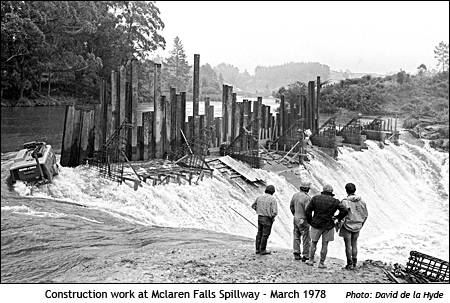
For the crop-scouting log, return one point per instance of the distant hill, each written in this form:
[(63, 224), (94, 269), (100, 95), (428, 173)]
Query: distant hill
[(269, 78)]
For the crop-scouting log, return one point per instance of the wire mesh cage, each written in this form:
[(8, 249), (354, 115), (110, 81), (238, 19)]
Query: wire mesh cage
[(427, 267)]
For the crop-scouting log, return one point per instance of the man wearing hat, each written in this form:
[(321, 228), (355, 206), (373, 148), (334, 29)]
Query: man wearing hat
[(298, 205), (322, 222), (266, 208)]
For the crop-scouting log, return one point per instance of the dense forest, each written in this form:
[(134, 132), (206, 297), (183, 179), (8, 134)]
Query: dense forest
[(72, 42)]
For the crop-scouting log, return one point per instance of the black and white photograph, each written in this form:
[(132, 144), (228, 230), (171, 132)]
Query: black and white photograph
[(241, 145)]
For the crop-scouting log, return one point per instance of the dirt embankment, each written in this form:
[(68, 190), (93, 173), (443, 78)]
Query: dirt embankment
[(200, 256)]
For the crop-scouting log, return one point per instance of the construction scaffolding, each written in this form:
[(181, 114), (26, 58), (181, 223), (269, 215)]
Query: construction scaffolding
[(111, 158), (351, 133), (245, 147)]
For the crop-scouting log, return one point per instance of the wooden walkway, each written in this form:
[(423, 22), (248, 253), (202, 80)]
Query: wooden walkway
[(235, 169)]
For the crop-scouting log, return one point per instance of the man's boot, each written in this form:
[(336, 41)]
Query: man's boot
[(297, 256), (354, 260), (349, 265)]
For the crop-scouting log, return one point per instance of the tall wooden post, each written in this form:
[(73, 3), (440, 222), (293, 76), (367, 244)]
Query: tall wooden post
[(303, 111), (395, 127), (183, 113), (76, 138), (282, 114), (114, 103), (308, 109), (67, 139), (246, 108), (273, 129), (201, 131), (317, 103), (269, 123), (99, 119), (211, 125), (237, 119), (128, 108), (233, 116), (140, 137), (207, 116), (165, 127), (134, 116), (122, 92), (229, 113), (190, 128), (196, 90), (256, 121), (278, 124), (263, 121), (312, 115), (179, 123), (146, 134), (158, 113), (219, 131), (171, 121), (224, 112)]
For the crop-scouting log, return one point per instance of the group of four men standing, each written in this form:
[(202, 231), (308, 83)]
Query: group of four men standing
[(314, 218)]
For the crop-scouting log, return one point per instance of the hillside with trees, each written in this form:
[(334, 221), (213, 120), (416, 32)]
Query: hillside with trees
[(74, 43), (421, 100)]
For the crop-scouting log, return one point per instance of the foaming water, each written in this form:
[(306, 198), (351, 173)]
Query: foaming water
[(406, 191), (208, 205), (405, 188)]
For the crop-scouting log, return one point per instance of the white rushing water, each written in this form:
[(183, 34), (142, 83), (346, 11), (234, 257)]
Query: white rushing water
[(405, 188)]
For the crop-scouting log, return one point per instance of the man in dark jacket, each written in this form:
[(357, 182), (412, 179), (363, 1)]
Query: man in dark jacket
[(267, 209), (322, 222)]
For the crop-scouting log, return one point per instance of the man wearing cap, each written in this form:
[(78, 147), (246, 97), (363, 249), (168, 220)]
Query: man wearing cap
[(266, 208), (301, 228), (322, 222)]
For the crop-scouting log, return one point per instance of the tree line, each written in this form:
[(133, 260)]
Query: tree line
[(422, 94)]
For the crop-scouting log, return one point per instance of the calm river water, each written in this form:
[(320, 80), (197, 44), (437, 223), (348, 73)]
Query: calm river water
[(23, 124)]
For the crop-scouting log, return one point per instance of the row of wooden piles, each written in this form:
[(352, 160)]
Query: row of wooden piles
[(301, 113), (160, 127), (87, 127)]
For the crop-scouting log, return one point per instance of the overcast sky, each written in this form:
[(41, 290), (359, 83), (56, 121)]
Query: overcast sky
[(371, 37)]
